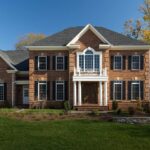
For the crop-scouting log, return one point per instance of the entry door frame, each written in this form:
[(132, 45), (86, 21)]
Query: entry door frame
[(25, 98)]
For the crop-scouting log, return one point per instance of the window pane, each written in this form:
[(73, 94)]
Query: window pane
[(88, 52), (42, 91), (1, 92), (117, 62), (97, 63), (81, 62), (60, 91), (60, 63), (135, 62), (42, 63), (118, 90), (88, 62), (135, 90)]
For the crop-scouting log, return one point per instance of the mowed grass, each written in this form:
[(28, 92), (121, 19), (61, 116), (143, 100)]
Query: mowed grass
[(72, 135)]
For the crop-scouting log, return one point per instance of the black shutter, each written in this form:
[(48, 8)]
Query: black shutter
[(48, 62), (54, 62), (111, 62), (66, 90), (129, 62), (36, 63), (124, 63), (111, 89), (36, 89), (5, 91), (142, 89), (66, 62), (124, 90), (48, 90), (54, 90), (129, 90), (142, 62)]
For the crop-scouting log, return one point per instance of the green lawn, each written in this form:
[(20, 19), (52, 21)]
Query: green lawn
[(72, 135)]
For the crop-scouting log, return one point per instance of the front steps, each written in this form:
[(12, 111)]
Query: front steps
[(91, 108)]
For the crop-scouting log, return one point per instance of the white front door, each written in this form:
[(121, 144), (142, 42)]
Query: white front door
[(25, 95)]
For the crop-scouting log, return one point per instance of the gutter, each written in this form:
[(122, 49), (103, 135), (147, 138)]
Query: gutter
[(125, 47)]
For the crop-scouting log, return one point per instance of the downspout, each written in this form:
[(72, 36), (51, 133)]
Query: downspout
[(13, 89)]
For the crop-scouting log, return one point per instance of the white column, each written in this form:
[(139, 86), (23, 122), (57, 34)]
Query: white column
[(79, 93), (100, 93), (105, 94), (75, 94)]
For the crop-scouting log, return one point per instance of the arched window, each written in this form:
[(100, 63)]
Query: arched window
[(89, 60)]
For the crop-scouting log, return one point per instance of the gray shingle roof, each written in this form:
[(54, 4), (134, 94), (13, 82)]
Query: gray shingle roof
[(62, 38), (18, 58)]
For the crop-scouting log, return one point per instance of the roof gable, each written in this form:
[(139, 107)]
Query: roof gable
[(84, 30)]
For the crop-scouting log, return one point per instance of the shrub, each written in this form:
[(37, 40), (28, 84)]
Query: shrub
[(119, 111), (114, 105), (95, 113), (131, 110), (146, 108), (67, 106), (139, 105)]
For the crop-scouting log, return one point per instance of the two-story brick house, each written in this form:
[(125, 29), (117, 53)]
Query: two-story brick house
[(88, 66)]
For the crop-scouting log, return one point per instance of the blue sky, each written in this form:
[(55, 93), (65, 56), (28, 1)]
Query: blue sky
[(19, 17)]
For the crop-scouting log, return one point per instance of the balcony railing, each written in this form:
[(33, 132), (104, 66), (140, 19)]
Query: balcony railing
[(88, 72)]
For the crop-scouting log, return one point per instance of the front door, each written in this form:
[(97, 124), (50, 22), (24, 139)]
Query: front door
[(90, 92), (25, 95)]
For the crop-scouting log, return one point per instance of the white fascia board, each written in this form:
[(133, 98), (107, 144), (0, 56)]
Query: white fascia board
[(125, 47), (83, 31), (11, 71), (23, 72), (22, 82), (38, 48), (90, 78), (9, 64)]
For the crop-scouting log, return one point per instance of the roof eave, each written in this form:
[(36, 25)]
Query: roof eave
[(125, 47)]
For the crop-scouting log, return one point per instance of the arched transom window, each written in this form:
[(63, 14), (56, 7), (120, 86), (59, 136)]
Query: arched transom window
[(89, 60)]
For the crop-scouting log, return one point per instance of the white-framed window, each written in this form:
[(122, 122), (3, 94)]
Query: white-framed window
[(135, 90), (60, 64), (135, 62), (89, 60), (117, 90), (42, 90), (1, 92), (60, 90), (42, 63), (117, 62)]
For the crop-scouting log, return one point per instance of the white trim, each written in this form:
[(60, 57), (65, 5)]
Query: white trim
[(132, 62), (59, 83), (39, 89), (63, 63), (79, 93), (11, 71), (74, 93), (83, 31), (125, 47), (100, 93), (22, 82), (121, 62), (47, 48), (94, 53), (40, 63), (9, 64), (2, 84), (105, 94), (120, 83), (23, 72), (25, 88), (133, 83)]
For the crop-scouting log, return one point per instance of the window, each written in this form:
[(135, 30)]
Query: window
[(59, 90), (42, 90), (60, 62), (89, 60), (135, 90), (117, 90), (117, 62), (1, 92), (42, 63), (135, 62)]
